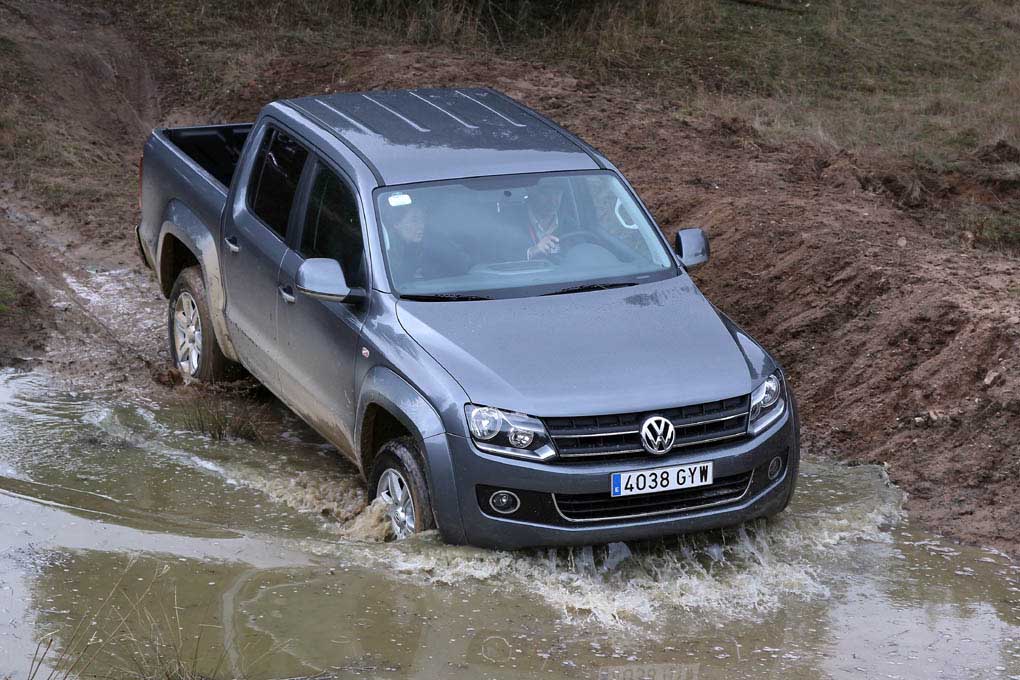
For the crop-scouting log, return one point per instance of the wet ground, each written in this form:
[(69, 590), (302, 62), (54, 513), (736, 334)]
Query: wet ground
[(125, 537)]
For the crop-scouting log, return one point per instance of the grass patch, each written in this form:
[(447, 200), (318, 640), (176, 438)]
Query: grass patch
[(51, 144), (221, 419), (996, 227), (906, 86), (910, 88), (8, 291)]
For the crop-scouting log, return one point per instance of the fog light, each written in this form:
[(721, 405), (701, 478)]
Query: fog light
[(520, 439), (775, 467), (504, 502)]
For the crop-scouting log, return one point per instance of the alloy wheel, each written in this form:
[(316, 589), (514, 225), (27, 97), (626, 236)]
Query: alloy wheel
[(187, 333), (395, 492)]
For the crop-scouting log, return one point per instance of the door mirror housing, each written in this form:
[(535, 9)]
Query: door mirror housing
[(692, 247), (323, 279)]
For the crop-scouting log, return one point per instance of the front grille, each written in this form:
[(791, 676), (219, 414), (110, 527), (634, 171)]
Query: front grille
[(588, 438), (600, 507)]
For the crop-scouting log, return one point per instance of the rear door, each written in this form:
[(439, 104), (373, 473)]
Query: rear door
[(319, 340), (254, 245)]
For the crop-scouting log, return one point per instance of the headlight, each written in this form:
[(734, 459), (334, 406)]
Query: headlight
[(506, 433), (767, 404)]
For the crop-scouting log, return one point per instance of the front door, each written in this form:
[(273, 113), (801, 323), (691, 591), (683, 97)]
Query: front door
[(254, 245), (318, 339)]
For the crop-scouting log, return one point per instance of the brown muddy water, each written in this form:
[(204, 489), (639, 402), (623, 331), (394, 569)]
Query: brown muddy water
[(128, 537)]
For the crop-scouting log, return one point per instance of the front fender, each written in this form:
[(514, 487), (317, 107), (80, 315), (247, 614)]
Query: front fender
[(183, 224), (384, 388)]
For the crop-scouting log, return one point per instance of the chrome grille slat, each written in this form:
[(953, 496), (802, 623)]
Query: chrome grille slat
[(618, 435)]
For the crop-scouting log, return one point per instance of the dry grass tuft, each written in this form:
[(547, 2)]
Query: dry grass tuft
[(132, 637), (220, 419)]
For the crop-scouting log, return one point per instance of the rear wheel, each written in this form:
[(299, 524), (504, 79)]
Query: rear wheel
[(399, 481), (193, 346)]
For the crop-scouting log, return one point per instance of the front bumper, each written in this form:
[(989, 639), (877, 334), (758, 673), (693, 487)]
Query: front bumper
[(548, 526)]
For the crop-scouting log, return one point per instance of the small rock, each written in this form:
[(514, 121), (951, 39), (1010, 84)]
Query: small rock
[(61, 306), (1013, 320), (902, 242), (991, 377)]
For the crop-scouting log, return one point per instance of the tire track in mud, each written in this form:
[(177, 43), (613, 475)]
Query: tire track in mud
[(105, 323)]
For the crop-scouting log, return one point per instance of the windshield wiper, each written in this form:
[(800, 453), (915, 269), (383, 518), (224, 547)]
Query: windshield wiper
[(584, 288), (444, 297)]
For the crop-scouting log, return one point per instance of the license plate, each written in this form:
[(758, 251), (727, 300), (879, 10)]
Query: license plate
[(660, 479)]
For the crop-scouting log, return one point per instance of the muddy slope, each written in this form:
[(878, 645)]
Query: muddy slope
[(74, 114), (903, 349)]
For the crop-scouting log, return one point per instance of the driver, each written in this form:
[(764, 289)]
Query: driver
[(405, 248), (543, 212), (415, 249)]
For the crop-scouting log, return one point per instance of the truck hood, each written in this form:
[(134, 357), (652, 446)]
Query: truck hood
[(640, 348)]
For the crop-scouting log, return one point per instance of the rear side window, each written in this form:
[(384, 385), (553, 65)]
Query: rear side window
[(275, 179), (332, 228)]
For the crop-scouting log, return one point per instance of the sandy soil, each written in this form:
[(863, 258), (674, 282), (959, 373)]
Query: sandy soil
[(903, 347)]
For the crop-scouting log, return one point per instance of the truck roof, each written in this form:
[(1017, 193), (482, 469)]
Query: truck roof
[(434, 134)]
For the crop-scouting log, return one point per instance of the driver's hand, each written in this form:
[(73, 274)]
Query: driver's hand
[(547, 245)]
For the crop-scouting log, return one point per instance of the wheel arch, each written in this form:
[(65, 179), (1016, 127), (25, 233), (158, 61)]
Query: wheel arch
[(390, 407), (388, 401), (185, 240)]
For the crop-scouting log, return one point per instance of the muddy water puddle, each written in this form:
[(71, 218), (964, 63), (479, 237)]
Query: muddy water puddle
[(126, 535)]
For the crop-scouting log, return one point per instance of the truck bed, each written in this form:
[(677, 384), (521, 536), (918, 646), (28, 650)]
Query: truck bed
[(216, 148), (185, 176)]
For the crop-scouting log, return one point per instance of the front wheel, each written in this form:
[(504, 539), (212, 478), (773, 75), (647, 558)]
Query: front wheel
[(398, 480), (193, 345)]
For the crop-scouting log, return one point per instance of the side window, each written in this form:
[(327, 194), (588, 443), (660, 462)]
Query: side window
[(332, 228), (275, 179)]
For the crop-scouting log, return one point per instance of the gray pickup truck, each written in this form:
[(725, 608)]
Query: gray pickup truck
[(473, 306)]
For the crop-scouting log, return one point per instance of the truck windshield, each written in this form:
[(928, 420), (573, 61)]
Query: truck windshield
[(517, 235)]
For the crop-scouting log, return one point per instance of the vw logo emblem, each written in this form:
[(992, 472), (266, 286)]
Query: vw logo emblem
[(657, 435)]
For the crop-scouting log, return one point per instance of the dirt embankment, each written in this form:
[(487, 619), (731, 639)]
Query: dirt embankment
[(903, 347), (76, 102)]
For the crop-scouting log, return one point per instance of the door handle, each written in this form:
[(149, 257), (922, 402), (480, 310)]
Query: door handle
[(287, 295), (231, 242)]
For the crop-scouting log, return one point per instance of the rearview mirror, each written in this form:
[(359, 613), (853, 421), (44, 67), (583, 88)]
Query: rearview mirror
[(692, 247), (323, 279)]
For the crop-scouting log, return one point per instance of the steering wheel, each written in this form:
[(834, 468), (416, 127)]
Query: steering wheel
[(568, 241), (573, 238)]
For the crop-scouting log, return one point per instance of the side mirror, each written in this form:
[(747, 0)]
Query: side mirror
[(323, 279), (692, 247)]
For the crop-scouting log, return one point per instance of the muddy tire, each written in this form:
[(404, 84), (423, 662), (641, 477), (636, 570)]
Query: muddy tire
[(397, 477), (192, 340)]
